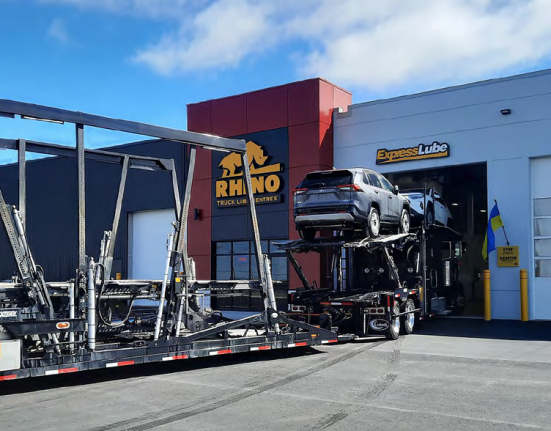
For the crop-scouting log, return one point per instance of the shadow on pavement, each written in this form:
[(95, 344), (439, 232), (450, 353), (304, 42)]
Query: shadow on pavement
[(145, 370), (495, 329)]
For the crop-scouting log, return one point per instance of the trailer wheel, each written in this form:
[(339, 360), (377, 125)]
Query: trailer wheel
[(393, 331), (408, 320)]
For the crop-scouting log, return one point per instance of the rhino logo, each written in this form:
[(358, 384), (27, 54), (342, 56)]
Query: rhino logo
[(232, 164)]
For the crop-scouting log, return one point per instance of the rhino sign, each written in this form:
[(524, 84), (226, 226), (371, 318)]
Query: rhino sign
[(232, 164)]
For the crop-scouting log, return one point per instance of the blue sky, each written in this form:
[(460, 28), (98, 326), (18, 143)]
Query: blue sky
[(144, 60)]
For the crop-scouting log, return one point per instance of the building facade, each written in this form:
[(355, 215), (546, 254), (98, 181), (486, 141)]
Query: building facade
[(477, 145)]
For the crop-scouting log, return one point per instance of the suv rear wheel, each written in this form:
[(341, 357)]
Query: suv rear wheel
[(373, 223)]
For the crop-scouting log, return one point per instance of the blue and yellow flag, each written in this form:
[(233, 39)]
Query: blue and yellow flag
[(494, 223)]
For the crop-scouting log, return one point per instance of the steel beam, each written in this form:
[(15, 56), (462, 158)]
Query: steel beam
[(41, 112), (116, 219), (137, 162), (81, 180), (21, 167)]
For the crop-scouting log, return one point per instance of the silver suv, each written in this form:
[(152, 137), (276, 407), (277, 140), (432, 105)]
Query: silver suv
[(348, 200)]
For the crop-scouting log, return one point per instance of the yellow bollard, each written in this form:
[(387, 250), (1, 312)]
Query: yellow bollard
[(118, 276), (524, 295), (487, 297)]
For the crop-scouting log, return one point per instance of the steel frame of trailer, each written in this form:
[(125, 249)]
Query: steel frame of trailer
[(279, 331), (363, 305)]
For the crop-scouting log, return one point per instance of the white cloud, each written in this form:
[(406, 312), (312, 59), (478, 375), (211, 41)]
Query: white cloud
[(58, 32), (221, 35), (369, 44)]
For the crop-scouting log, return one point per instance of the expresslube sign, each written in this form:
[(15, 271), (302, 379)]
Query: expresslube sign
[(420, 152)]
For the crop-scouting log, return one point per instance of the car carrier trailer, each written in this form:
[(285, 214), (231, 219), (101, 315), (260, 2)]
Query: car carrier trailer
[(91, 321), (380, 286)]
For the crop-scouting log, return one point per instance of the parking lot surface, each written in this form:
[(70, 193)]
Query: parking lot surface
[(451, 375)]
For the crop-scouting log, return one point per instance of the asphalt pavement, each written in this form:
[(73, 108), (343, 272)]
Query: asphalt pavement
[(450, 375)]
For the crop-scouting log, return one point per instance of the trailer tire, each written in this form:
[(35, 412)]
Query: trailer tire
[(393, 331), (408, 320)]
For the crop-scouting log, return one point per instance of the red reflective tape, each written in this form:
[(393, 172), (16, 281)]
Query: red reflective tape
[(224, 352), (8, 377), (180, 357), (333, 341), (67, 370), (347, 303), (301, 344), (325, 303), (264, 347), (123, 363)]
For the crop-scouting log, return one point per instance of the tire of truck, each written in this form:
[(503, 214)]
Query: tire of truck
[(393, 331), (408, 320), (307, 234)]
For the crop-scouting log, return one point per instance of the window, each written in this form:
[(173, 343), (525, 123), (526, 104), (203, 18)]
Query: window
[(237, 261), (542, 237), (366, 178), (326, 179), (386, 184), (374, 179), (439, 199)]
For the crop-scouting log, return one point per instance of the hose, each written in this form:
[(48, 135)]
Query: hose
[(98, 308)]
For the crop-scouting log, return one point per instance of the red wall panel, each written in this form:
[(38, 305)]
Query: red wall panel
[(202, 266), (199, 117), (201, 197), (326, 103), (326, 145), (342, 99), (267, 109), (203, 165), (229, 116), (303, 102), (304, 144)]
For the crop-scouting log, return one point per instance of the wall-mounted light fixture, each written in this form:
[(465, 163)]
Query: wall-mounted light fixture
[(505, 111), (455, 204), (197, 214)]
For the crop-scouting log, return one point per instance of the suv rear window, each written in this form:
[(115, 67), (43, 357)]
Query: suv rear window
[(326, 179)]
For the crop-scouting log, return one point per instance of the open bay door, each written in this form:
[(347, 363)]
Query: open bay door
[(147, 235)]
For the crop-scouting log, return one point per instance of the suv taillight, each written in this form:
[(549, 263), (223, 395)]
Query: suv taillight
[(350, 188), (299, 191)]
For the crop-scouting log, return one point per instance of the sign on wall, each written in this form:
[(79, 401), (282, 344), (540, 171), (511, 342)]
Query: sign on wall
[(420, 152), (507, 256), (267, 183)]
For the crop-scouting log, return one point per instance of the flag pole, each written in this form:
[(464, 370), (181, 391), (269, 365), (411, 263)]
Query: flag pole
[(502, 226)]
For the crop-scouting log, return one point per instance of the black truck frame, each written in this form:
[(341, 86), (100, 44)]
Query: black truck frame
[(91, 321), (380, 286)]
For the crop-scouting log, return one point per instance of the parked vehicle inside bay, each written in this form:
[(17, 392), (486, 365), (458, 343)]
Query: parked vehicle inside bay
[(349, 200), (436, 209)]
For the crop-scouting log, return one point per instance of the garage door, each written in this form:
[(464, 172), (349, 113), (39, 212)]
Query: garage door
[(147, 236), (541, 211)]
